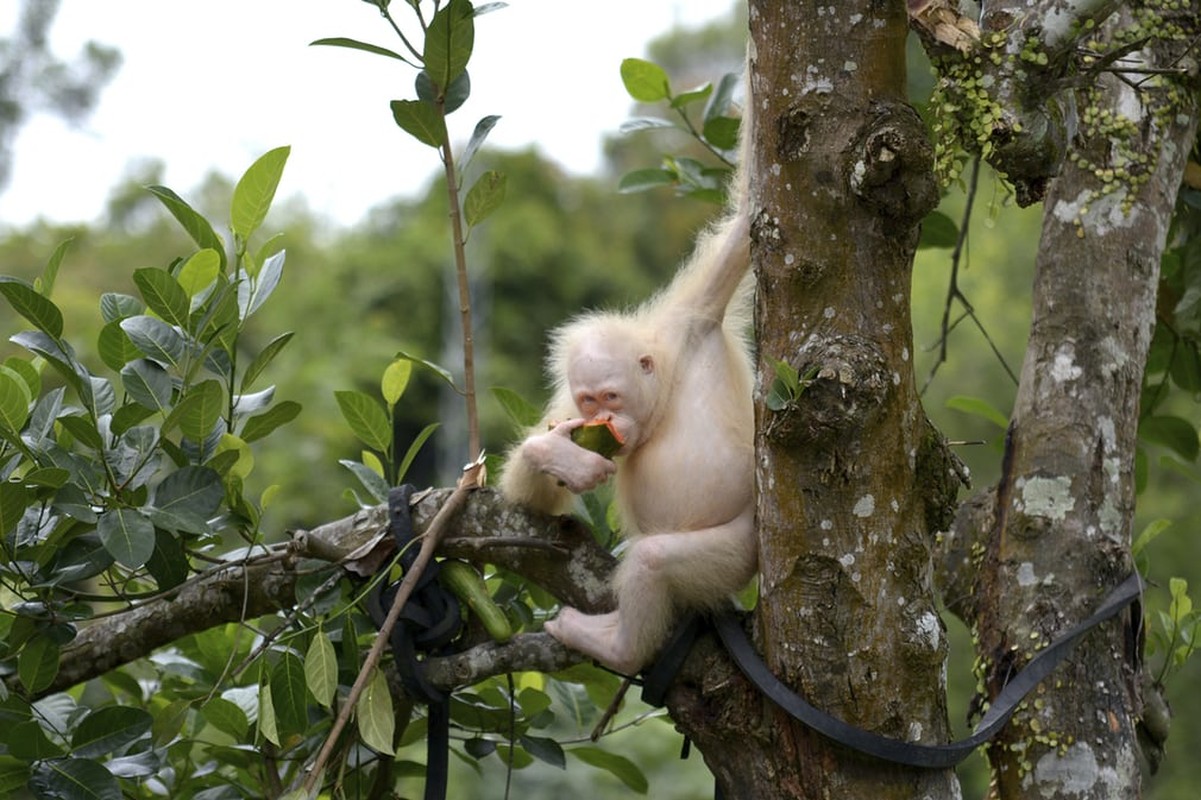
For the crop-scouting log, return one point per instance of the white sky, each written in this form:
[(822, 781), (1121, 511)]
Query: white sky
[(212, 85)]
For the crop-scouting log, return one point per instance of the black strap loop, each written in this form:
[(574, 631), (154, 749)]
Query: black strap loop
[(729, 628), (429, 623)]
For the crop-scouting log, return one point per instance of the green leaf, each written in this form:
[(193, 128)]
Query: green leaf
[(723, 96), (978, 408), (321, 669), (226, 716), (155, 339), (395, 380), (448, 42), (45, 284), (15, 399), (196, 225), (14, 497), (84, 431), (60, 356), (484, 197), (544, 749), (267, 720), (523, 413), (421, 121), (1178, 435), (127, 535), (722, 132), (288, 695), (27, 741), (26, 301), (109, 729), (355, 44), (115, 306), (640, 180), (1149, 534), (192, 489), (147, 384), (692, 96), (163, 295), (199, 271), (261, 425), (377, 723), (415, 448), (265, 357), (645, 81), (367, 419), (255, 191), (197, 413), (73, 779), (115, 347), (441, 372), (28, 372), (13, 775), (370, 479), (168, 565), (254, 292), (478, 136), (620, 767), (646, 124), (38, 664), (938, 230), (452, 99)]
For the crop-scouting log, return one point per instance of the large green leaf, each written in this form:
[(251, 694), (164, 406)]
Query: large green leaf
[(254, 292), (321, 669), (377, 723), (261, 425), (255, 191), (289, 695), (478, 136), (199, 410), (13, 499), (199, 272), (619, 766), (73, 779), (420, 120), (192, 221), (355, 44), (163, 295), (115, 306), (367, 419), (13, 775), (147, 384), (645, 81), (38, 663), (524, 413), (484, 197), (109, 729), (115, 347), (60, 356), (1178, 435), (195, 490), (265, 357), (127, 535), (15, 398), (449, 41), (155, 339), (938, 230), (226, 716), (26, 301)]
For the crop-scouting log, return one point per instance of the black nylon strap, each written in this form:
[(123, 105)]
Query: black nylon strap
[(429, 622), (729, 628)]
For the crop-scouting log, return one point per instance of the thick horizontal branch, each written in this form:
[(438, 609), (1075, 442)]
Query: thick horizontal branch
[(557, 553)]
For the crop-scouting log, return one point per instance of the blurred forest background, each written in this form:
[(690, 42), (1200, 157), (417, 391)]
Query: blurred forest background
[(356, 295)]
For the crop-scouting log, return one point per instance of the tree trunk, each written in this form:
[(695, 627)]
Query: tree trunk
[(1065, 506), (846, 614)]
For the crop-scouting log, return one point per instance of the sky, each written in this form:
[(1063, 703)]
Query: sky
[(210, 86)]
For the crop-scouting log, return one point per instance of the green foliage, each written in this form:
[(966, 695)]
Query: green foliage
[(112, 482), (713, 128)]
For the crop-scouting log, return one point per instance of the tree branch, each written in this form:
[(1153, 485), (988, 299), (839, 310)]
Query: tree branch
[(557, 553)]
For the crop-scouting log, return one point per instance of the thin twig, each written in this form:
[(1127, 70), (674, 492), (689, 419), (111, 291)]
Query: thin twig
[(469, 480), (611, 711)]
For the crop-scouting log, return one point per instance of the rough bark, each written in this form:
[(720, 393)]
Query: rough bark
[(1058, 533), (846, 613)]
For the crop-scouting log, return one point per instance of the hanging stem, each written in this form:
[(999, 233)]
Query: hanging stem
[(460, 245)]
